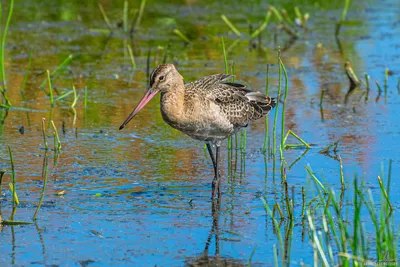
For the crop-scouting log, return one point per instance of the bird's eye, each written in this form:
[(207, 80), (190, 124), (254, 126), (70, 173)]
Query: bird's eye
[(161, 78)]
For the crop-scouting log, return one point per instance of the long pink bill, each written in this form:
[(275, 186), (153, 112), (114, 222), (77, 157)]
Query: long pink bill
[(146, 98)]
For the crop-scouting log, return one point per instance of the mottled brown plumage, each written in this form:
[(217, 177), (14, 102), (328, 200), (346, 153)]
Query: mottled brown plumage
[(209, 109)]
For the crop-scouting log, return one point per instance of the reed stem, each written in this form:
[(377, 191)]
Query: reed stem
[(44, 175), (56, 137), (277, 107), (3, 45), (44, 134), (284, 102), (50, 89), (13, 182), (230, 25), (266, 136)]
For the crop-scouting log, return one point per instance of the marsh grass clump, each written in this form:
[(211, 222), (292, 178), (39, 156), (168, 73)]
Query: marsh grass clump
[(361, 233), (45, 174), (137, 18), (284, 23), (284, 135), (13, 189), (355, 82)]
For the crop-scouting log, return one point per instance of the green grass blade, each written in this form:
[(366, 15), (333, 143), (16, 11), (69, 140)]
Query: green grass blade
[(27, 71), (44, 175), (315, 239), (316, 180), (75, 97), (277, 227), (385, 194), (2, 172), (140, 15), (3, 44), (345, 9), (284, 102), (132, 57), (85, 97), (225, 57), (13, 182), (12, 222), (303, 143), (59, 68), (44, 134), (181, 35), (266, 136), (230, 25), (56, 137), (299, 15), (50, 89), (14, 192), (64, 95), (274, 130), (125, 16), (105, 18), (276, 12), (263, 26)]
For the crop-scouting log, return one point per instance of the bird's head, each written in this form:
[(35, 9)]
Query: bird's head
[(162, 79)]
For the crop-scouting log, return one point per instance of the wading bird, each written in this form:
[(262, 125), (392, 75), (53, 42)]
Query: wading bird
[(210, 109)]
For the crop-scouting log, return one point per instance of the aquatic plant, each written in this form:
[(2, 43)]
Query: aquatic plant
[(54, 74), (140, 15), (266, 136), (274, 129), (3, 87), (44, 134), (336, 239), (105, 17), (181, 35), (26, 75), (45, 170), (13, 186), (263, 25), (57, 142), (343, 17), (230, 25), (131, 56)]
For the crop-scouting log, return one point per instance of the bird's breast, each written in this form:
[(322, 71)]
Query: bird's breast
[(198, 118)]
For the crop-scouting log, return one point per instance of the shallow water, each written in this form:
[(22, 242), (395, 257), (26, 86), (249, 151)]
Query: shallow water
[(141, 196)]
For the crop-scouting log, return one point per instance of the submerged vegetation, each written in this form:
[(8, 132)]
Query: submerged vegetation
[(341, 221)]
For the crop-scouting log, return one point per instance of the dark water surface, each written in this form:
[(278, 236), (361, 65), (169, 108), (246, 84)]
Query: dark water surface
[(141, 196)]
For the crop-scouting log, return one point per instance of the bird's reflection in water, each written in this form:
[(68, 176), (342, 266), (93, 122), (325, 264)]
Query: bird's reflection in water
[(213, 261)]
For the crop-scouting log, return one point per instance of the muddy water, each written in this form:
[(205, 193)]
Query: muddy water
[(141, 196)]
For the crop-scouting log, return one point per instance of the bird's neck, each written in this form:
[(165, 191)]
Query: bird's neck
[(172, 105)]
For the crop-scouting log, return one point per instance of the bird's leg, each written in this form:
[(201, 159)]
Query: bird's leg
[(216, 207), (216, 183), (217, 172), (209, 148), (215, 210)]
